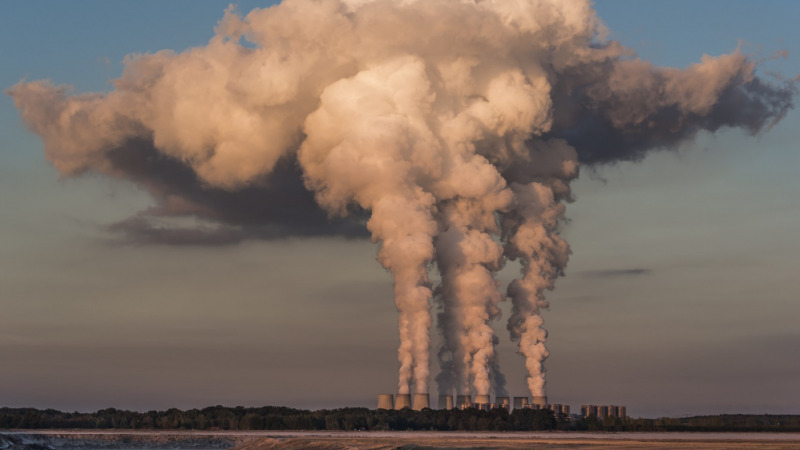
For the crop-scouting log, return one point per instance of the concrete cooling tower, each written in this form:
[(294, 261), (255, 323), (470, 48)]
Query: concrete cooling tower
[(481, 399), (446, 402), (503, 402), (540, 400), (520, 402), (421, 401), (463, 401), (385, 401), (402, 401)]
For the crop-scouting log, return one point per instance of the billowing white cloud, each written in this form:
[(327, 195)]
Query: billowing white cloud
[(455, 125)]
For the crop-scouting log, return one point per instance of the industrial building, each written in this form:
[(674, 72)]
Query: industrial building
[(483, 402), (603, 411)]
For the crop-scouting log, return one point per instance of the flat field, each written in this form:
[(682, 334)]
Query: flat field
[(253, 440), (432, 440)]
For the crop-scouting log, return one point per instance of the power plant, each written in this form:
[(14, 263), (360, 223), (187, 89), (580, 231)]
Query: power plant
[(603, 411), (483, 402)]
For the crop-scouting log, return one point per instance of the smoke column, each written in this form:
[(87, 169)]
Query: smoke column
[(455, 126)]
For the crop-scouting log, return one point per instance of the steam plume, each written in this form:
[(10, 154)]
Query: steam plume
[(456, 126)]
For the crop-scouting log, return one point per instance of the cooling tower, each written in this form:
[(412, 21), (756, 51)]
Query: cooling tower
[(623, 412), (463, 401), (539, 400), (520, 402), (402, 401), (421, 401), (446, 402), (503, 402), (385, 401), (481, 399)]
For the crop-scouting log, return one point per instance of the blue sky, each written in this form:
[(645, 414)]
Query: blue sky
[(680, 296)]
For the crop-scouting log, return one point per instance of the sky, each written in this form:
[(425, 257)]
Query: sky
[(679, 298)]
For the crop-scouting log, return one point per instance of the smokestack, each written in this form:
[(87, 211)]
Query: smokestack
[(446, 402), (421, 401), (540, 400), (463, 401), (402, 401), (520, 402), (385, 401)]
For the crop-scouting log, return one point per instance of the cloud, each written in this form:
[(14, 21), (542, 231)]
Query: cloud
[(456, 127), (615, 273), (274, 207)]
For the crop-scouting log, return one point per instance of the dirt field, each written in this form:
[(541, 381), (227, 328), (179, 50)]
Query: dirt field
[(256, 440), (491, 443)]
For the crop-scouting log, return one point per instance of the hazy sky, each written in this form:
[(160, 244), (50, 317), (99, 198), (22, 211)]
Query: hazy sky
[(680, 296)]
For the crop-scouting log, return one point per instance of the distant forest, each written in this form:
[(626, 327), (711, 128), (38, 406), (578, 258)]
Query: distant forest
[(282, 418)]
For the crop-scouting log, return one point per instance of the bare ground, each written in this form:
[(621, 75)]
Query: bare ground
[(413, 443)]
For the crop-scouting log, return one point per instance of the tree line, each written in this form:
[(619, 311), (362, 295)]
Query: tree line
[(282, 418)]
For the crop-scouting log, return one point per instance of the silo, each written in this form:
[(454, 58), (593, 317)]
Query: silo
[(539, 400), (463, 401), (504, 402), (402, 401), (421, 401), (520, 402), (385, 401), (446, 402)]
